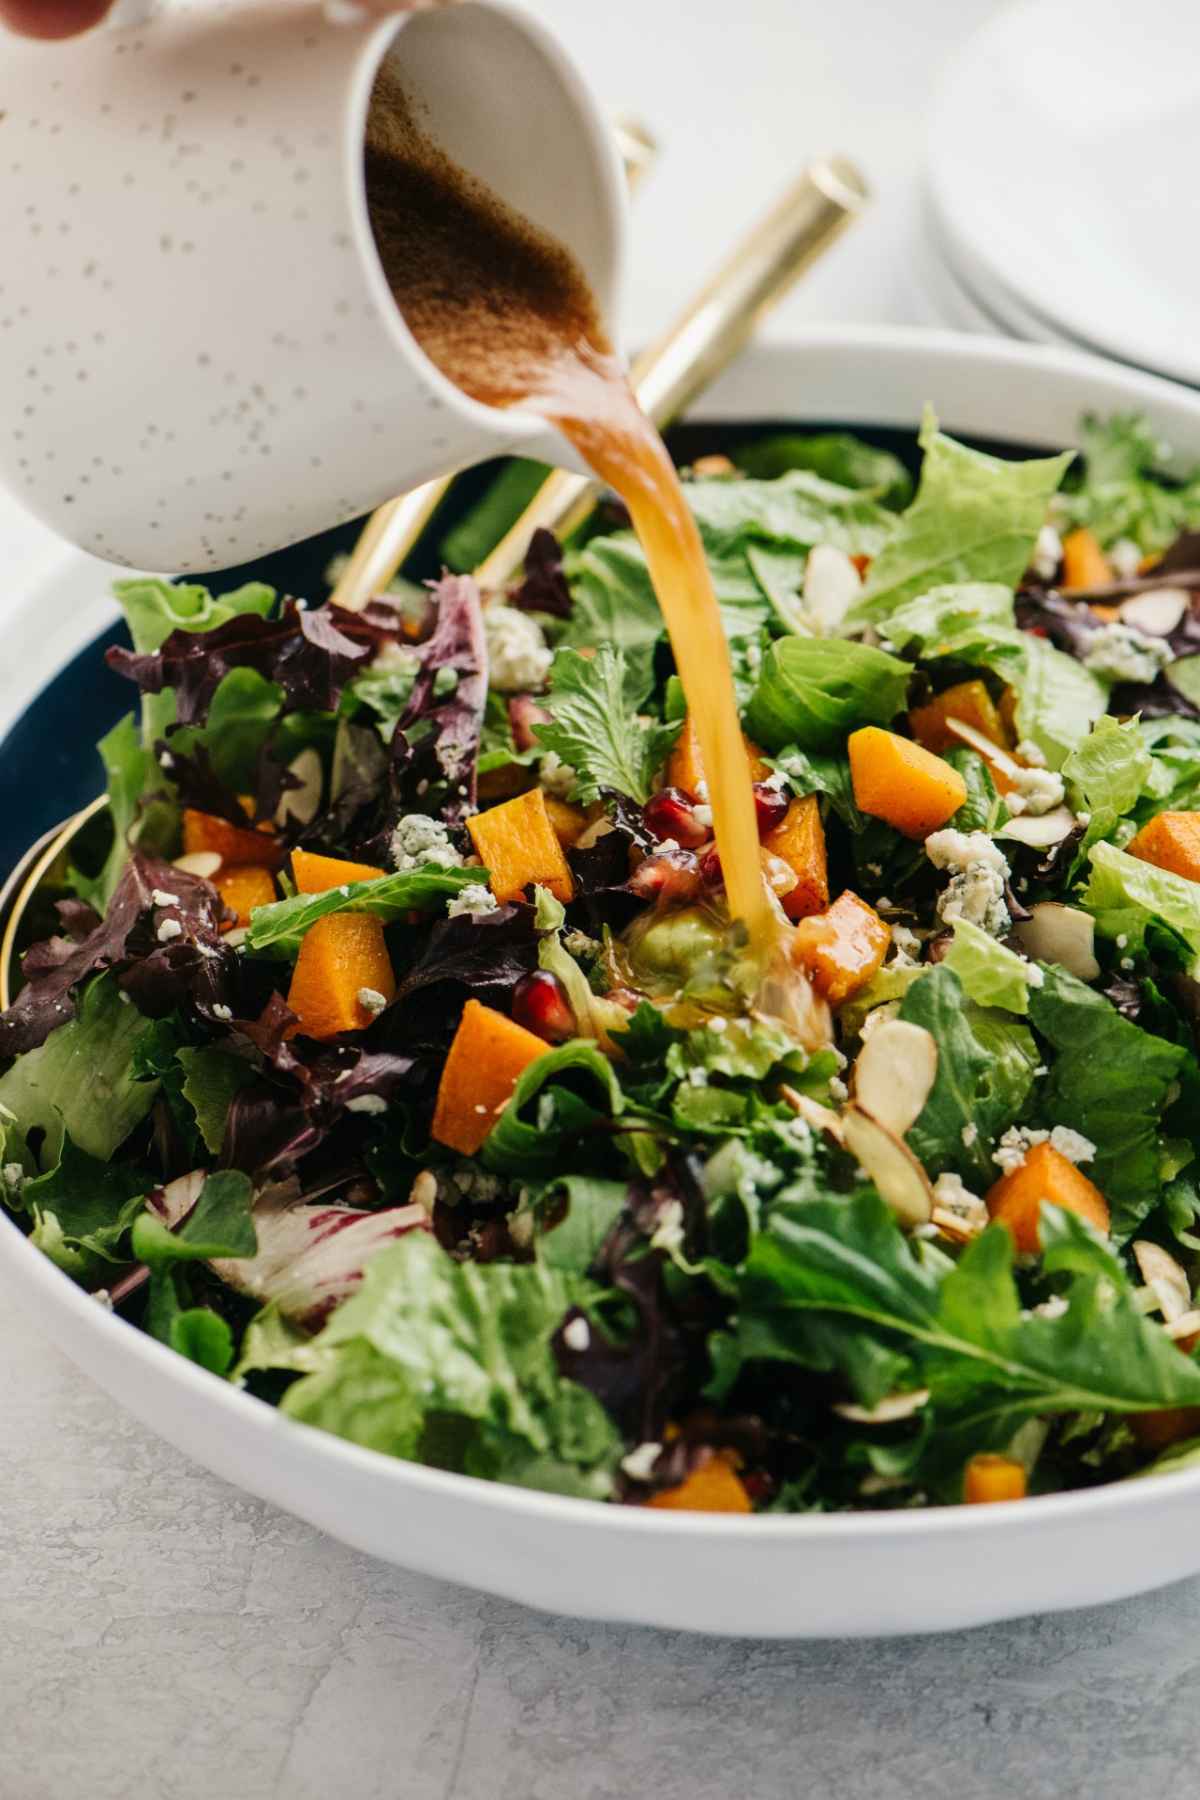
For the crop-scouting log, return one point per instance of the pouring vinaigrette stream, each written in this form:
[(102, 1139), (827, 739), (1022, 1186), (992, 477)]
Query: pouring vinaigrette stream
[(504, 311)]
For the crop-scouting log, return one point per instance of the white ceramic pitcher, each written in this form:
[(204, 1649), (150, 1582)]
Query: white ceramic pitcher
[(200, 360)]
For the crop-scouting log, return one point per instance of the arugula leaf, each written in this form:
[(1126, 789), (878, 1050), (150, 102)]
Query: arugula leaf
[(975, 518), (279, 928), (987, 1363), (82, 1209), (541, 1139), (812, 691), (985, 1071), (218, 1225), (426, 1337), (991, 974), (1111, 1081), (594, 731), (81, 1083)]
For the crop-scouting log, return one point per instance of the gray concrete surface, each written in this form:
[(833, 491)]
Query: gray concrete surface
[(163, 1637)]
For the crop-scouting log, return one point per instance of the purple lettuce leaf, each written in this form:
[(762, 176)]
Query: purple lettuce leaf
[(544, 588), (435, 748)]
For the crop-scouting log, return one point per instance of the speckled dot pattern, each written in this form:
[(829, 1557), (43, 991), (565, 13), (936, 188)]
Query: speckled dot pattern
[(196, 359)]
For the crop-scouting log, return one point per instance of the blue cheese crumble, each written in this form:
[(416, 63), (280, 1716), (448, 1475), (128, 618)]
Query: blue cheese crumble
[(474, 901), (978, 873), (1127, 655), (518, 655), (418, 840)]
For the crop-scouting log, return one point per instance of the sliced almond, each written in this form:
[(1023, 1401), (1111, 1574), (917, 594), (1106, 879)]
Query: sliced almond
[(1165, 1279), (1184, 1328), (204, 863), (895, 1072), (1041, 831), (889, 1411), (1157, 612), (820, 1118), (831, 585), (302, 804), (1054, 933), (237, 937), (953, 1226), (902, 1182), (878, 1015), (990, 752), (596, 830)]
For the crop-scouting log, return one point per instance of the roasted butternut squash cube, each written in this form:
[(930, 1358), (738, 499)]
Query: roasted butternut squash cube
[(518, 845), (488, 1055), (342, 956), (968, 701), (1171, 841), (234, 844), (799, 841), (569, 822), (990, 1478), (317, 874), (685, 765), (902, 783), (1084, 562), (841, 948), (713, 1487), (242, 889), (1016, 1200)]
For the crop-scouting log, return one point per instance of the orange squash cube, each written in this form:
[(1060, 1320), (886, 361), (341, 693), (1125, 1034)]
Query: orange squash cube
[(488, 1055), (518, 845), (1084, 562), (685, 766), (1171, 841), (1016, 1200), (569, 822), (841, 948), (317, 874), (990, 1478), (205, 832), (799, 840), (713, 1487), (901, 782), (968, 701), (341, 955), (242, 889)]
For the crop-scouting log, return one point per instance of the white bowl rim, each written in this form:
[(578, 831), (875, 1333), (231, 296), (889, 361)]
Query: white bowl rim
[(44, 1281)]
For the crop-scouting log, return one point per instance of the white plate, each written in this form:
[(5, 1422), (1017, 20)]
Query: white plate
[(1062, 159), (852, 1575)]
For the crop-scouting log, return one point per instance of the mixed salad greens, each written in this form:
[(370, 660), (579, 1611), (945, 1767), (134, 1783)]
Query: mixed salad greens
[(398, 1062)]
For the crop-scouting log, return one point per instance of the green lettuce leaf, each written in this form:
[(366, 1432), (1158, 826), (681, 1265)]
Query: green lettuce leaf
[(1111, 1081), (218, 1225), (560, 1102), (127, 769), (211, 1078), (949, 611), (155, 608), (812, 691), (594, 731), (991, 974), (1121, 492), (571, 1241), (975, 518), (1106, 774), (836, 456), (986, 1063), (1058, 700), (428, 1339), (279, 929), (1125, 895), (81, 1083)]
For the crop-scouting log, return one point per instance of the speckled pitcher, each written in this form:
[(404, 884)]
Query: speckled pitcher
[(200, 360)]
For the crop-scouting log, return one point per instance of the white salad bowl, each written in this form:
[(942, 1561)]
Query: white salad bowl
[(847, 1575)]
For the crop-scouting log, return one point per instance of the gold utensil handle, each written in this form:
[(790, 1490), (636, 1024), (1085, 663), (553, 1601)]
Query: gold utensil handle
[(704, 340), (390, 534)]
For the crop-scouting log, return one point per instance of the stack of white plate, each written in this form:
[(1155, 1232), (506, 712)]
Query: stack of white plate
[(1062, 181)]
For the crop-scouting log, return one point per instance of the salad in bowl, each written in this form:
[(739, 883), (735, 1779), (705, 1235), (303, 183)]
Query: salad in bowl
[(392, 1055)]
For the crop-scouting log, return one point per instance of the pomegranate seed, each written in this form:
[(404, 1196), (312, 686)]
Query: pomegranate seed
[(672, 814), (523, 714), (771, 805), (539, 1003), (710, 869), (668, 875)]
